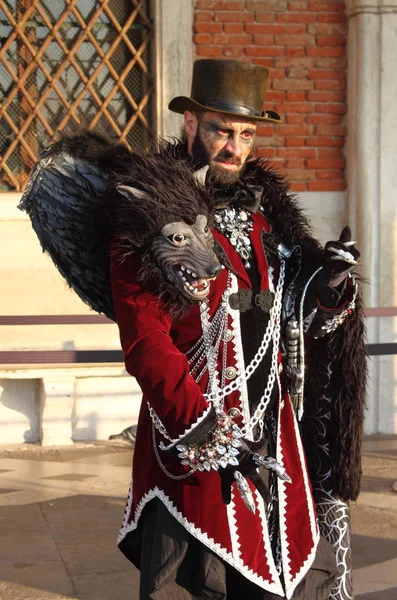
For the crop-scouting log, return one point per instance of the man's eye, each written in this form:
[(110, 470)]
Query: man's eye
[(246, 135), (177, 238), (223, 132)]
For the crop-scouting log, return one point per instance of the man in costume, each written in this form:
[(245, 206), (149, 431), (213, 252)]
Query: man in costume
[(248, 440)]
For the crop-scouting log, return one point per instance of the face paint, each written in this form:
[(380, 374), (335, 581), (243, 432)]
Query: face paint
[(223, 144)]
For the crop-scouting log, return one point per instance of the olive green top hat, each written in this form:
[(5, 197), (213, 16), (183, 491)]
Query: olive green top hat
[(227, 86)]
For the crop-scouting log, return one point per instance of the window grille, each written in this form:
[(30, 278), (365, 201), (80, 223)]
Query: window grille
[(70, 63)]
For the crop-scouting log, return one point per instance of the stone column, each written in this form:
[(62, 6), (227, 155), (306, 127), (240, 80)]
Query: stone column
[(56, 403), (174, 59), (372, 183)]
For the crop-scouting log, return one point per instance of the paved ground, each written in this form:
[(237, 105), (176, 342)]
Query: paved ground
[(60, 511)]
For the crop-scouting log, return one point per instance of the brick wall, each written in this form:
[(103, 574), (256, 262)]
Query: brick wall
[(303, 44)]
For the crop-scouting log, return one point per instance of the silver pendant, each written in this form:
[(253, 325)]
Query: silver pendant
[(235, 224)]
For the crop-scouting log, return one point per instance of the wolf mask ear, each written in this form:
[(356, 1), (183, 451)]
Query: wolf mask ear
[(132, 193), (201, 174)]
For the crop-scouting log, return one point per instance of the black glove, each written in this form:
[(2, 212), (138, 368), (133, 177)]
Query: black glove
[(341, 258), (247, 468)]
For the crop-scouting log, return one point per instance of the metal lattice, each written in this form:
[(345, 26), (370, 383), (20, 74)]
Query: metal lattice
[(71, 62)]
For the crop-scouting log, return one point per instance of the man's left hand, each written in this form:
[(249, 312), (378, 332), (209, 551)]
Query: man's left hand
[(341, 258)]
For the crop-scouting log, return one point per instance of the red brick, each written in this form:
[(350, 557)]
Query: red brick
[(326, 51), (256, 28), (296, 96), (326, 74), (295, 40), (326, 186), (325, 141), (210, 51), (295, 52), (319, 163), (262, 39), (233, 51), (295, 119), (329, 175), (208, 27), (263, 62), (328, 28), (292, 107), (297, 187), (301, 174), (276, 164), (330, 17), (326, 62), (265, 130), (295, 163), (295, 130), (296, 73), (334, 109), (276, 73), (233, 27), (300, 17), (265, 17), (326, 97), (331, 40), (326, 119), (272, 29), (292, 84), (298, 5), (264, 50), (210, 4), (265, 152), (295, 141), (334, 85), (266, 5), (273, 96), (233, 39), (303, 62), (328, 152), (296, 152), (234, 5), (203, 16), (335, 130), (274, 141), (280, 29), (233, 16), (202, 38), (327, 6)]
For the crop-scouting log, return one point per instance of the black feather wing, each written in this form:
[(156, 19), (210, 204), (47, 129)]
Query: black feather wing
[(63, 200)]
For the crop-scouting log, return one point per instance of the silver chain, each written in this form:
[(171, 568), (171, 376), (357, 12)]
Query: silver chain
[(161, 465), (264, 401), (273, 324)]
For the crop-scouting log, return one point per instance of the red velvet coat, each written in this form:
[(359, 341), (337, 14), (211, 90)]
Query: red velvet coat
[(154, 345)]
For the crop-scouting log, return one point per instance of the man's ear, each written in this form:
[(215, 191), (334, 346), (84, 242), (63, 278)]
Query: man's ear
[(191, 124)]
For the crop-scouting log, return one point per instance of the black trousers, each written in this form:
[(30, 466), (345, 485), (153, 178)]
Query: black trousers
[(177, 566)]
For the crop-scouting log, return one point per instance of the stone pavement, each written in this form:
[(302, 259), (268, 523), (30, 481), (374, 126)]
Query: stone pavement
[(60, 511)]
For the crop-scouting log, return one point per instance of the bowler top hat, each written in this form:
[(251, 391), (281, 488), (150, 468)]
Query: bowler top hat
[(227, 86)]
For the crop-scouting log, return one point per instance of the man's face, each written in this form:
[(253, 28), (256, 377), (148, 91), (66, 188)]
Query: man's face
[(221, 141)]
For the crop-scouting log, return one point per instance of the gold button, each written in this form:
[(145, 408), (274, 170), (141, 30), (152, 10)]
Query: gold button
[(228, 335), (230, 373)]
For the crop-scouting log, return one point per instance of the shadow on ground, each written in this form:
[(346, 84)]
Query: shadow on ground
[(65, 547)]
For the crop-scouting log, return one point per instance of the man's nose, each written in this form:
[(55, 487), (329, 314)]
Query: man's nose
[(234, 146)]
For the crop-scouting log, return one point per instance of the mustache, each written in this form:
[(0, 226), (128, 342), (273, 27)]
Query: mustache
[(227, 157)]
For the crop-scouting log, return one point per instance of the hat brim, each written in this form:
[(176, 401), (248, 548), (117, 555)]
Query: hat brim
[(180, 104)]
